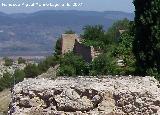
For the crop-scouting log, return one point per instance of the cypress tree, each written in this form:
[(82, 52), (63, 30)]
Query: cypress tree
[(146, 46)]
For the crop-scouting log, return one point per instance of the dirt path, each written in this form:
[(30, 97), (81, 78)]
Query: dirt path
[(4, 100)]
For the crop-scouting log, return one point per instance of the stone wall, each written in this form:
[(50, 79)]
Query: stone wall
[(68, 41), (106, 95), (84, 51)]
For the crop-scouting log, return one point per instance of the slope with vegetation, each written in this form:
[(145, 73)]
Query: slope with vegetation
[(113, 45)]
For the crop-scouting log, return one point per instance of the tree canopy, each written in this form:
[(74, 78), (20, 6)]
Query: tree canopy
[(21, 60), (69, 32), (8, 61), (72, 64), (58, 48)]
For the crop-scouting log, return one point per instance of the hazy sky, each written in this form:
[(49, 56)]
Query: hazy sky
[(91, 5)]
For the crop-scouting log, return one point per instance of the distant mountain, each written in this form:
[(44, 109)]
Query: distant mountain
[(36, 33)]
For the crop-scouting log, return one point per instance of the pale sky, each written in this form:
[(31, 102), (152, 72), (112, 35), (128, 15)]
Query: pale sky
[(89, 5)]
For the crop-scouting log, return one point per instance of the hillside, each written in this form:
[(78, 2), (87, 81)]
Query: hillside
[(36, 33)]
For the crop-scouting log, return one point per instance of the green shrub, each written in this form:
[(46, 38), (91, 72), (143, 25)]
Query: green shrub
[(69, 32), (67, 70), (21, 60), (50, 61), (104, 64), (153, 72), (94, 36), (76, 63), (19, 75), (124, 52), (31, 71), (113, 32), (58, 48), (8, 61), (5, 81)]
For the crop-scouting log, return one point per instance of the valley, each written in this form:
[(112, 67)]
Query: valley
[(36, 33)]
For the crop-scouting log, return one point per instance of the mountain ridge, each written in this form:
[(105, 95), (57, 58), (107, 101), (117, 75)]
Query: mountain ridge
[(38, 31)]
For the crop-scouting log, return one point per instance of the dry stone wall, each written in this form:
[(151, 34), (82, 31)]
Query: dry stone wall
[(107, 95)]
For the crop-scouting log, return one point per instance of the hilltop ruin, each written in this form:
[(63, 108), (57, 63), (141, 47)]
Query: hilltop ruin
[(72, 42)]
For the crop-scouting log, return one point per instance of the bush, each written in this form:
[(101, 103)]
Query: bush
[(67, 70), (21, 60), (58, 47), (104, 64), (70, 32), (124, 52), (8, 62), (31, 71), (94, 36), (153, 72), (75, 63), (50, 61), (19, 75), (5, 81), (113, 32)]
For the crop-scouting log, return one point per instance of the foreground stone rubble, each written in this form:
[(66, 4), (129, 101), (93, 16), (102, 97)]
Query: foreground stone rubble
[(88, 96)]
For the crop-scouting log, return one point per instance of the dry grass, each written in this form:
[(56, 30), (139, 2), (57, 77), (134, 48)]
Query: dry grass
[(4, 100)]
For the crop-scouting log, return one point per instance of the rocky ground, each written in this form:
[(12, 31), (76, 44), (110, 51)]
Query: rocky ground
[(87, 96)]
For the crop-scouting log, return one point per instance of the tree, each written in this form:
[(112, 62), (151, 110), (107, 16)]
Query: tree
[(107, 63), (50, 61), (93, 36), (58, 47), (8, 61), (104, 64), (97, 37), (31, 71), (93, 32), (19, 75), (21, 60), (69, 32), (124, 52), (147, 36), (72, 64), (113, 32), (5, 81), (67, 70)]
